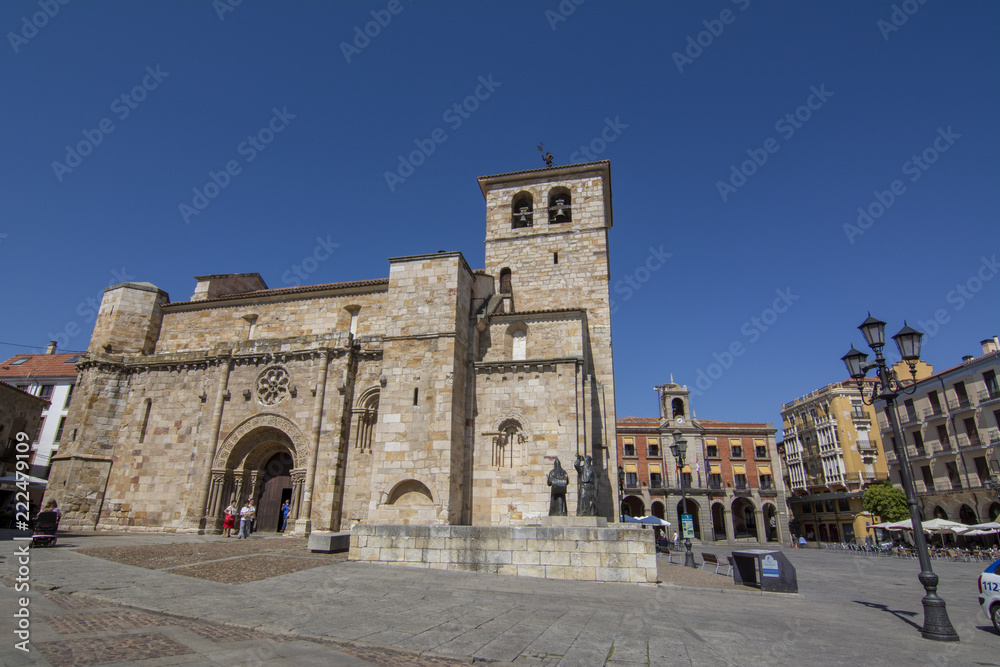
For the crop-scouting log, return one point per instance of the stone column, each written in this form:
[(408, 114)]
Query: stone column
[(297, 483), (198, 520), (761, 530), (215, 499), (727, 519), (303, 522)]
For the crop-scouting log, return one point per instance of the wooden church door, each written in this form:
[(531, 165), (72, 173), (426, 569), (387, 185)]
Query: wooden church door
[(277, 485)]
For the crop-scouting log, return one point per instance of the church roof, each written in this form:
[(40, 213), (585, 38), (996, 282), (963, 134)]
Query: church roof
[(291, 290)]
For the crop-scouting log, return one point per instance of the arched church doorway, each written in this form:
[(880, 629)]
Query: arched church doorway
[(275, 489)]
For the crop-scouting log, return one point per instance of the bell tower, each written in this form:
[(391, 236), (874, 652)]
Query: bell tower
[(547, 250)]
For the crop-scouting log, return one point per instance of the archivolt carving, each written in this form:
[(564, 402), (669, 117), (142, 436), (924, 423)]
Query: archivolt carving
[(513, 415), (256, 431)]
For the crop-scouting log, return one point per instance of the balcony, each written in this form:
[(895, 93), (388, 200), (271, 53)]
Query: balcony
[(867, 446), (890, 456), (908, 418), (994, 436), (970, 441), (934, 412), (989, 395), (945, 447), (961, 405)]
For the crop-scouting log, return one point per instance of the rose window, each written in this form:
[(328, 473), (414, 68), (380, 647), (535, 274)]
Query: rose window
[(272, 385)]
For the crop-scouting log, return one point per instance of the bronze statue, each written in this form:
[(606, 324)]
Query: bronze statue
[(558, 480), (587, 480)]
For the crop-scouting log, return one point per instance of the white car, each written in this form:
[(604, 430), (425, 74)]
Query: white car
[(989, 593)]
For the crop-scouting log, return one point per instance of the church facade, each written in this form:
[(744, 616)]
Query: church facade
[(441, 394)]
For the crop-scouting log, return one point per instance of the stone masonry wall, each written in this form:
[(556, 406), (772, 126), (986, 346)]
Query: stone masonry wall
[(193, 328), (543, 398), (582, 554)]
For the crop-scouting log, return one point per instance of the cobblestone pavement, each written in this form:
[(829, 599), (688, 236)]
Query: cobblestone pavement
[(850, 610)]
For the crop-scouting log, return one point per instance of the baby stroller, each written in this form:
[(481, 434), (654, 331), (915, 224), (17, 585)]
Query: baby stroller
[(46, 527)]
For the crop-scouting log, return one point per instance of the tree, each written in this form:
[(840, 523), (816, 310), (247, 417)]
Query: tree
[(886, 501)]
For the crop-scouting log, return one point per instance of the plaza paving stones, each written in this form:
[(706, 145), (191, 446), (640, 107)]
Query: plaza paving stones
[(850, 610)]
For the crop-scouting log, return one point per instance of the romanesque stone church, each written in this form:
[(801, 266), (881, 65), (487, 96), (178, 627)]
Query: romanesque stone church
[(439, 395)]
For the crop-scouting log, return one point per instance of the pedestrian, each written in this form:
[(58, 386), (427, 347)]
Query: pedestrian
[(253, 517), (802, 542), (244, 522), (232, 511), (285, 509), (676, 543)]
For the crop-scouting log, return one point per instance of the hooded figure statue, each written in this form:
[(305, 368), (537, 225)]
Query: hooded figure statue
[(558, 480)]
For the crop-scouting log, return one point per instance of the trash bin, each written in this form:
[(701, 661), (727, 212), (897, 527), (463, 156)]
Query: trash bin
[(765, 569)]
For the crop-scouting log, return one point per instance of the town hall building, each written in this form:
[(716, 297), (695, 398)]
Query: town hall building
[(439, 395)]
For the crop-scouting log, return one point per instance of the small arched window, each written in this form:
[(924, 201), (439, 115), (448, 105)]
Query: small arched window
[(677, 406), (505, 287), (521, 210), (560, 209)]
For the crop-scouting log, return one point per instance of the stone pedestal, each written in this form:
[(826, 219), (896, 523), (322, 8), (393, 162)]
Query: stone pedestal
[(327, 542), (580, 553), (574, 522)]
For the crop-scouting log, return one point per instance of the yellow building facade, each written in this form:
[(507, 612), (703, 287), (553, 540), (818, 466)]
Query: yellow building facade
[(831, 451)]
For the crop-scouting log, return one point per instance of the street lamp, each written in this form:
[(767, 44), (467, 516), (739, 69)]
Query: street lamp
[(621, 493), (679, 449), (887, 387)]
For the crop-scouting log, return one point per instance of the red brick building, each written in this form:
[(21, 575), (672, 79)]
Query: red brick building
[(731, 473)]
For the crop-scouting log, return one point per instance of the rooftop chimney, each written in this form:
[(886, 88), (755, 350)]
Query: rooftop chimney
[(51, 349), (989, 345)]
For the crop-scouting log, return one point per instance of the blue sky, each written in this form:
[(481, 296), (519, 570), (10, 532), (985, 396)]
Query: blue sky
[(743, 138)]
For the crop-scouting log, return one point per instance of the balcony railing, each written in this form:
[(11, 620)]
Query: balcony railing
[(989, 395), (994, 436), (970, 441), (934, 412), (908, 418), (960, 405)]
